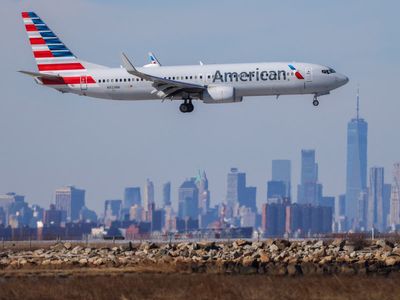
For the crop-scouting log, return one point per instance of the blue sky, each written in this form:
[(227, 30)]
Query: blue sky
[(49, 139)]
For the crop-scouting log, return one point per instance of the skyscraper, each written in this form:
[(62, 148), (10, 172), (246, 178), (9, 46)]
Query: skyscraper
[(309, 191), (276, 189), (204, 193), (70, 200), (188, 206), (167, 194), (131, 197), (112, 211), (395, 197), (356, 174), (281, 171), (148, 195), (375, 200), (236, 187)]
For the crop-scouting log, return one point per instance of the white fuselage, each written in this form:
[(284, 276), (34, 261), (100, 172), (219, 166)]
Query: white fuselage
[(254, 79)]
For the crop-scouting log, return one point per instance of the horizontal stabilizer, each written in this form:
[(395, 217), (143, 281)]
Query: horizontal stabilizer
[(41, 75)]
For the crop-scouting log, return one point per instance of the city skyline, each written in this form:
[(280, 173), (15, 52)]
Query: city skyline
[(106, 147)]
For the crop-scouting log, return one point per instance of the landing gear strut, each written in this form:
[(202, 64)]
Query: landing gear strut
[(315, 102), (187, 106)]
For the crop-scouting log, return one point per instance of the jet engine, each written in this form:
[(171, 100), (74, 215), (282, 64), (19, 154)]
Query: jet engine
[(220, 94)]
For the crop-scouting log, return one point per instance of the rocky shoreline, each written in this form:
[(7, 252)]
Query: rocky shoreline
[(270, 257)]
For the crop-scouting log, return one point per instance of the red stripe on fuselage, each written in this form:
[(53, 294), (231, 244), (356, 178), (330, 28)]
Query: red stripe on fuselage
[(37, 41), (68, 80), (40, 54), (30, 27), (61, 67), (299, 76)]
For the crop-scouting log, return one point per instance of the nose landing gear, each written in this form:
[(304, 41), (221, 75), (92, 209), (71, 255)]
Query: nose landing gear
[(315, 101), (187, 106)]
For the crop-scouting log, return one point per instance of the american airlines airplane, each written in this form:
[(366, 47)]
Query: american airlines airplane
[(60, 69)]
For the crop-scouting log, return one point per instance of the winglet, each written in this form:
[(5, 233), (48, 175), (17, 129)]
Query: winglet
[(127, 64)]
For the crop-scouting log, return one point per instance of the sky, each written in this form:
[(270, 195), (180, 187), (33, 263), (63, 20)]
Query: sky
[(49, 139)]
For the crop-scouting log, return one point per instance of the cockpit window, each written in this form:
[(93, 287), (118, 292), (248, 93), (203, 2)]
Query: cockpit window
[(328, 71)]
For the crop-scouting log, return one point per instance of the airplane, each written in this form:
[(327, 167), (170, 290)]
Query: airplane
[(60, 69)]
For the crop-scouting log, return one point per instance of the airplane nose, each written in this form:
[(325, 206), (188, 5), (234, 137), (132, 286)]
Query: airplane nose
[(342, 79)]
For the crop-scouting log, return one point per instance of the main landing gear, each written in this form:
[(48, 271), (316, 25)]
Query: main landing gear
[(187, 106), (315, 101)]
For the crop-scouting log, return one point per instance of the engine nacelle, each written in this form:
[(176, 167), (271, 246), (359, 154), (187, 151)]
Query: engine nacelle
[(220, 94)]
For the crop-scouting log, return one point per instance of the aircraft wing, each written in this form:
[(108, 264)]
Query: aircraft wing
[(164, 88), (41, 75)]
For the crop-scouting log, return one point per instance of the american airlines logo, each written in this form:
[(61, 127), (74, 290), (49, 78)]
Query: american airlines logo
[(256, 75)]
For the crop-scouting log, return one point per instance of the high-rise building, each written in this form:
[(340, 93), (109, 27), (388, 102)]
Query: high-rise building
[(395, 197), (274, 219), (340, 217), (250, 199), (131, 197), (375, 201), (70, 200), (236, 188), (362, 211), (356, 174), (52, 217), (276, 189), (148, 195), (112, 211), (167, 194), (309, 191), (188, 206), (387, 189), (281, 171), (10, 203), (204, 194)]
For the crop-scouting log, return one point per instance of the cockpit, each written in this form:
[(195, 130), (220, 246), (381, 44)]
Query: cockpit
[(328, 71)]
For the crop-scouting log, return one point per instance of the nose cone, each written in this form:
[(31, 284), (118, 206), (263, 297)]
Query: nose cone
[(341, 79)]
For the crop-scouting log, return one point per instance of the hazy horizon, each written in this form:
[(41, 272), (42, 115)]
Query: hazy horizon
[(51, 139)]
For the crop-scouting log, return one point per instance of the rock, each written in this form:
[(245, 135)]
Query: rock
[(319, 244), (57, 247), (76, 250), (273, 248), (282, 244), (339, 243), (387, 245), (83, 261), (240, 243), (67, 245), (392, 260)]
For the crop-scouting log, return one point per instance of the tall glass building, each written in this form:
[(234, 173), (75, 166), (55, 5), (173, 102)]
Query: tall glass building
[(281, 171), (356, 178)]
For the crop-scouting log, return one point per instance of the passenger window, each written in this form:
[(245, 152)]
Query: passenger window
[(112, 80), (201, 77), (191, 77)]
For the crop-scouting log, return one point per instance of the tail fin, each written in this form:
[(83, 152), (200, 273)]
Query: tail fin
[(153, 61), (50, 53)]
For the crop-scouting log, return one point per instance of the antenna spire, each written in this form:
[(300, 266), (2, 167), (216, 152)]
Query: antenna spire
[(358, 102)]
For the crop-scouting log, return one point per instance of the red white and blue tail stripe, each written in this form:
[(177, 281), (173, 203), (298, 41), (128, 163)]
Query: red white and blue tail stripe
[(50, 53)]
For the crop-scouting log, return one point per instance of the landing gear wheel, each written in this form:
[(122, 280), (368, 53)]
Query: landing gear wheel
[(190, 107), (315, 102), (184, 108)]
